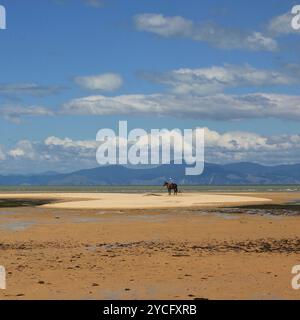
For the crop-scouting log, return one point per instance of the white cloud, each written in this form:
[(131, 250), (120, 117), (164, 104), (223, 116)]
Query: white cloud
[(17, 153), (259, 41), (101, 82), (66, 154), (214, 107), (248, 146), (67, 143), (236, 140), (216, 79), (54, 154), (164, 26), (32, 89), (14, 113), (281, 25), (226, 38), (24, 149)]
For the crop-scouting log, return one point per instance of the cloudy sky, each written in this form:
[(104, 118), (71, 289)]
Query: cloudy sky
[(71, 67)]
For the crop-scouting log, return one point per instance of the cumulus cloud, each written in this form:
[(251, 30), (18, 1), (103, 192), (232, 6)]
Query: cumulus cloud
[(69, 155), (214, 107), (248, 146), (164, 26), (54, 154), (226, 38), (101, 82), (235, 141), (23, 150), (217, 78)]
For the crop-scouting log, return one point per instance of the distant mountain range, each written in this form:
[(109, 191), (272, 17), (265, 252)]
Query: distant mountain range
[(214, 174)]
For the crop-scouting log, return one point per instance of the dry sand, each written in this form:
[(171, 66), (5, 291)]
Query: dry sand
[(171, 253), (135, 201)]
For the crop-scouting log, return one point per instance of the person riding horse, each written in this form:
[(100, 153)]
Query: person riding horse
[(171, 186)]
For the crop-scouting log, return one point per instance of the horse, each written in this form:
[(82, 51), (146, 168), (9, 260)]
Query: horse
[(171, 186)]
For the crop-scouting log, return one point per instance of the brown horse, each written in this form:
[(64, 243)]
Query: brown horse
[(171, 186)]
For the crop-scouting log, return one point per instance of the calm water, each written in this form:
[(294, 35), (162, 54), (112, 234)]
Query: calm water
[(150, 189)]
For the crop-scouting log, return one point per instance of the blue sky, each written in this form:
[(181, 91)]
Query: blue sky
[(226, 65)]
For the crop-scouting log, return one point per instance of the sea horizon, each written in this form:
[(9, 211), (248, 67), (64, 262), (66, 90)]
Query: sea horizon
[(152, 188)]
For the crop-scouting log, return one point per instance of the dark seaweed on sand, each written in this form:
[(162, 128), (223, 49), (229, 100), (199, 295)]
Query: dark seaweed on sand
[(285, 209), (287, 206), (8, 203)]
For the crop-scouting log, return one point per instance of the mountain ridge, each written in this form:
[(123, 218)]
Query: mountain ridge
[(242, 173)]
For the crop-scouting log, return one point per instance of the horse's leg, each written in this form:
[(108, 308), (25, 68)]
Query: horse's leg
[(169, 190)]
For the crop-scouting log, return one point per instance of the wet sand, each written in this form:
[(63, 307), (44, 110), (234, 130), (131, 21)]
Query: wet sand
[(149, 253)]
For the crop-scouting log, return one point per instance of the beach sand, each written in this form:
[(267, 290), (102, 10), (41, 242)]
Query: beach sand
[(184, 252), (135, 201)]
